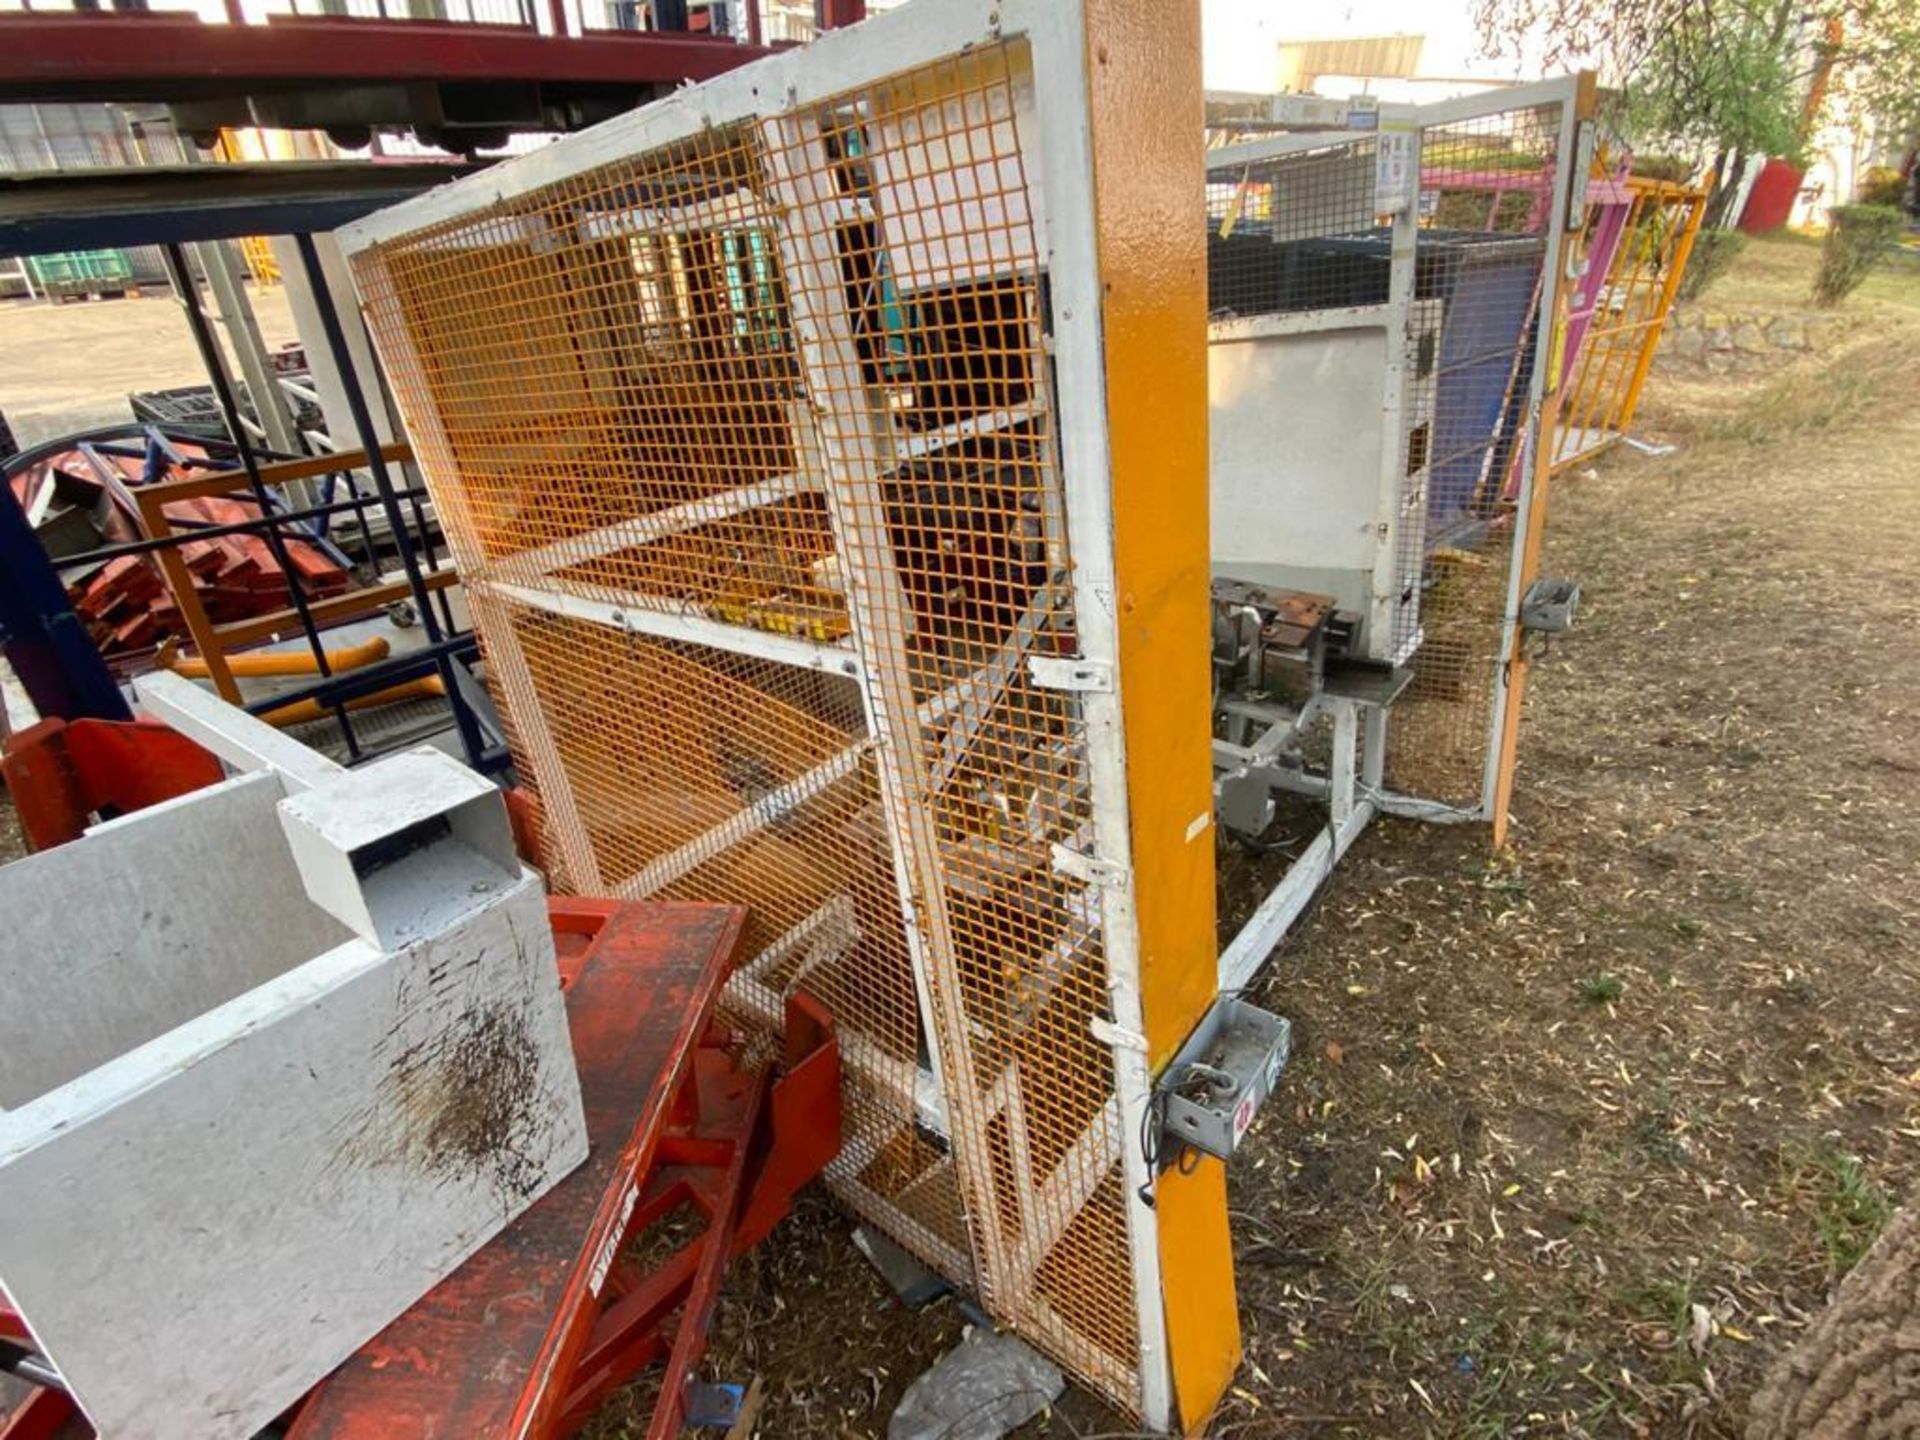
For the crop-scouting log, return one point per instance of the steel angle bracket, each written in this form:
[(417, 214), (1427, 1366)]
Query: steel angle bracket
[(1068, 672)]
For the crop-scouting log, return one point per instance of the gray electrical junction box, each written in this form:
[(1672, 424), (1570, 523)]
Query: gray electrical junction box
[(1214, 1087)]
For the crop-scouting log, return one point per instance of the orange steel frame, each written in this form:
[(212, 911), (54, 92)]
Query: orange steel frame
[(1147, 113), (1611, 370), (212, 642), (1533, 534)]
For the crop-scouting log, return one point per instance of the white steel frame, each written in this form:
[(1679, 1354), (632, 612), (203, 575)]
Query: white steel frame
[(774, 92), (1353, 800)]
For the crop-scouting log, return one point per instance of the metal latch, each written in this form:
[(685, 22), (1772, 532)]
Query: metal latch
[(1549, 605), (1207, 1098)]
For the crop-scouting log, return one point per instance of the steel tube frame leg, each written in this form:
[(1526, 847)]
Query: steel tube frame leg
[(243, 330), (1373, 747), (463, 717), (188, 291), (1340, 784)]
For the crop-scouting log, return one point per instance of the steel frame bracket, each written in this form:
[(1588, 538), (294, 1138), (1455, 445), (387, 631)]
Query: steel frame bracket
[(1117, 1036), (1089, 869), (61, 773), (1207, 1096), (1067, 672)]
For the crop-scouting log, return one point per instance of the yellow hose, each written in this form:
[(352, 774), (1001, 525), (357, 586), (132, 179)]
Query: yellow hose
[(299, 712), (292, 662)]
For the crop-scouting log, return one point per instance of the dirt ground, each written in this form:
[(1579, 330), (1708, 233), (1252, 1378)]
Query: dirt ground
[(68, 367), (1577, 1137)]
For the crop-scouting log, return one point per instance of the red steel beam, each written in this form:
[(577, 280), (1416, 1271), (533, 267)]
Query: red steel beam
[(54, 54), (838, 14), (43, 1415)]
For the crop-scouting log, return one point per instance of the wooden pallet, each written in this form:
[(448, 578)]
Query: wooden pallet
[(65, 294)]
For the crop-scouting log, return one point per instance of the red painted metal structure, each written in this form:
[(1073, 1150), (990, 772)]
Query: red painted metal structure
[(45, 1414), (533, 1334), (132, 54), (836, 13), (463, 85), (63, 773), (445, 78), (1770, 201)]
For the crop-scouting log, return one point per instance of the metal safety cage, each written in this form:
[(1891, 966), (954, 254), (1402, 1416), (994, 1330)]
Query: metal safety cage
[(1497, 203), (1378, 300), (1317, 344), (769, 427), (1636, 254)]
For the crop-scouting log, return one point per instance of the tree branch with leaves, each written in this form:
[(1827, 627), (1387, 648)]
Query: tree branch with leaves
[(1731, 78)]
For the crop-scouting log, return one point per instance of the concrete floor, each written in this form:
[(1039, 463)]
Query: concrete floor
[(66, 367)]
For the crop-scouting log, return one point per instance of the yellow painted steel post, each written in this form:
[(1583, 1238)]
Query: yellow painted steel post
[(1535, 535), (1614, 347), (1619, 352), (1147, 120)]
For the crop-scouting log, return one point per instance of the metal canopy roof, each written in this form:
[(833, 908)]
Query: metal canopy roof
[(447, 79), (67, 55), (153, 205)]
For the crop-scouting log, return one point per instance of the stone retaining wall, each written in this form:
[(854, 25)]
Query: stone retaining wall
[(1701, 335)]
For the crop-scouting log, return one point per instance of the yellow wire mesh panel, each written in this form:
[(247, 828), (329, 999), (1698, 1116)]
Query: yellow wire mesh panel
[(747, 449), (917, 277), (609, 375), (779, 809), (1487, 219), (1629, 312)]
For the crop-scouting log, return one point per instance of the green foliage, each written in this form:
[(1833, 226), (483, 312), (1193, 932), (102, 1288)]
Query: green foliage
[(1664, 1299), (1858, 240), (1883, 186), (1601, 989), (1671, 168), (1469, 210), (1732, 76), (1879, 58), (1850, 1207), (1723, 77), (1714, 252)]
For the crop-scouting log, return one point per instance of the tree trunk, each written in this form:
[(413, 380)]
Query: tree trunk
[(1722, 181), (1855, 1375)]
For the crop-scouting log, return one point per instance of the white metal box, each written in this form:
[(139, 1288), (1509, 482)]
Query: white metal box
[(276, 1059), (1327, 496)]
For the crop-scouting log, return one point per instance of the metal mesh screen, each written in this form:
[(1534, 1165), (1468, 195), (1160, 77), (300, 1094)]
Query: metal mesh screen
[(1296, 232), (1305, 240), (1628, 311), (746, 447), (1487, 222)]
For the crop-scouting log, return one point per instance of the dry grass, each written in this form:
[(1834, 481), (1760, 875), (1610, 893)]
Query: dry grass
[(1663, 1056), (1777, 273)]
